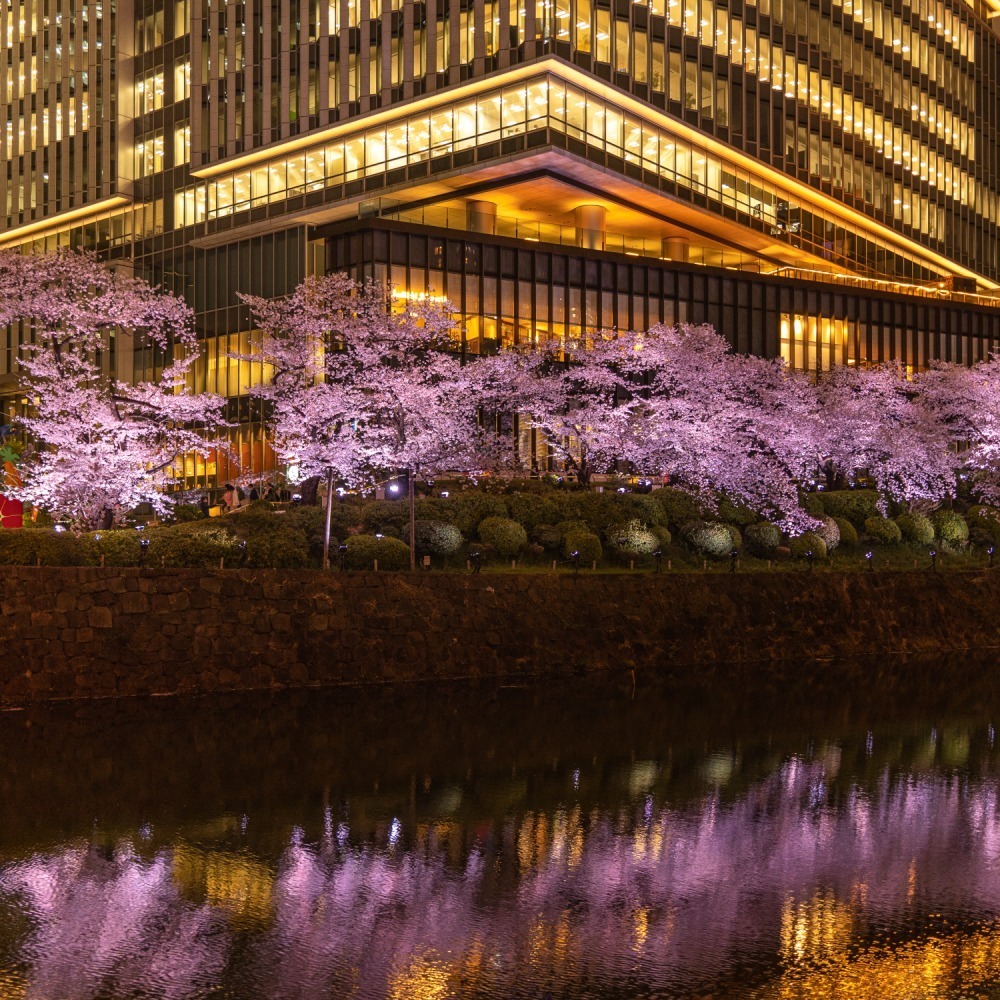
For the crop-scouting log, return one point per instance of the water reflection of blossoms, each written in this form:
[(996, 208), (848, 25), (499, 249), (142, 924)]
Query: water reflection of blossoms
[(795, 878)]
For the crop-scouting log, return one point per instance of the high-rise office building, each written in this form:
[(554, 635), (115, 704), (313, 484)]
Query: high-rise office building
[(819, 179)]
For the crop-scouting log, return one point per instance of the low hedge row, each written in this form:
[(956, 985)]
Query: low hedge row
[(536, 524)]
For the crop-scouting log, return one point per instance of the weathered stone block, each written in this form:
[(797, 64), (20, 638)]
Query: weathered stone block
[(134, 603), (98, 617)]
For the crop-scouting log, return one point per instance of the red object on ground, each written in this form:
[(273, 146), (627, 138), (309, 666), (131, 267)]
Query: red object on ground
[(11, 513)]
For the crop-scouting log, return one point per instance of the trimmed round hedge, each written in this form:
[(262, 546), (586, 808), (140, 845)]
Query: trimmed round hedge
[(848, 533), (708, 538), (984, 525), (507, 537), (531, 510), (680, 508), (915, 528), (762, 539), (828, 530), (950, 528), (364, 550), (809, 541), (437, 538), (548, 536), (631, 538), (586, 544), (854, 505), (469, 510), (882, 531)]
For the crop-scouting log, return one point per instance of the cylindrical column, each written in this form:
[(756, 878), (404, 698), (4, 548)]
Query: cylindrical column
[(591, 223), (481, 217), (675, 247)]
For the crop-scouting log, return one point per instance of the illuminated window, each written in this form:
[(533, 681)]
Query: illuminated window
[(182, 145), (182, 81), (149, 94), (813, 343)]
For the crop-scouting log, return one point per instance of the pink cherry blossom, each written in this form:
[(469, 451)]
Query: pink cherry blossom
[(101, 446)]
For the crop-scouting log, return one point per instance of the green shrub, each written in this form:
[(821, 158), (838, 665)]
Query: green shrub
[(198, 544), (915, 528), (437, 538), (548, 536), (597, 510), (565, 527), (310, 523), (983, 512), (587, 544), (762, 539), (119, 548), (377, 515), (855, 506), (984, 526), (663, 536), (808, 541), (182, 512), (364, 550), (882, 531), (631, 538), (812, 504), (708, 538), (735, 513), (26, 546), (470, 509), (950, 528), (643, 507), (283, 548), (532, 509), (507, 537), (434, 509), (848, 533), (735, 537), (680, 507), (827, 530)]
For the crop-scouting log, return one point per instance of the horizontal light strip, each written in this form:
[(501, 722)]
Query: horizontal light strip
[(403, 109), (806, 193), (570, 74), (20, 233)]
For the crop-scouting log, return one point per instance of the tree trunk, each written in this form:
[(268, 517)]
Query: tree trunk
[(329, 517), (413, 519)]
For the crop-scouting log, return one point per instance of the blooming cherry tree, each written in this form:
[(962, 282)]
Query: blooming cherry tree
[(671, 401), (100, 445), (965, 404), (364, 385), (877, 420)]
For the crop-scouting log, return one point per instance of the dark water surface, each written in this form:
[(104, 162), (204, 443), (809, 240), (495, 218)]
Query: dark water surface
[(585, 838)]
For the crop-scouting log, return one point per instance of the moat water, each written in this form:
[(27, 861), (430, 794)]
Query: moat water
[(580, 839)]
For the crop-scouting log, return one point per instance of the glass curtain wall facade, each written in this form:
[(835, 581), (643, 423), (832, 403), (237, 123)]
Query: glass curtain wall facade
[(817, 178)]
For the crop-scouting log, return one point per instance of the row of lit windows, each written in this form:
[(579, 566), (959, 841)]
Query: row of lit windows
[(714, 26), (39, 21), (149, 29), (109, 229), (523, 305), (546, 102), (682, 81), (702, 90), (35, 76), (45, 128), (772, 64), (619, 42), (149, 92)]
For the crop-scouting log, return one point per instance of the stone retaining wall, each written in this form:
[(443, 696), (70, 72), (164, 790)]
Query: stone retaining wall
[(88, 632)]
